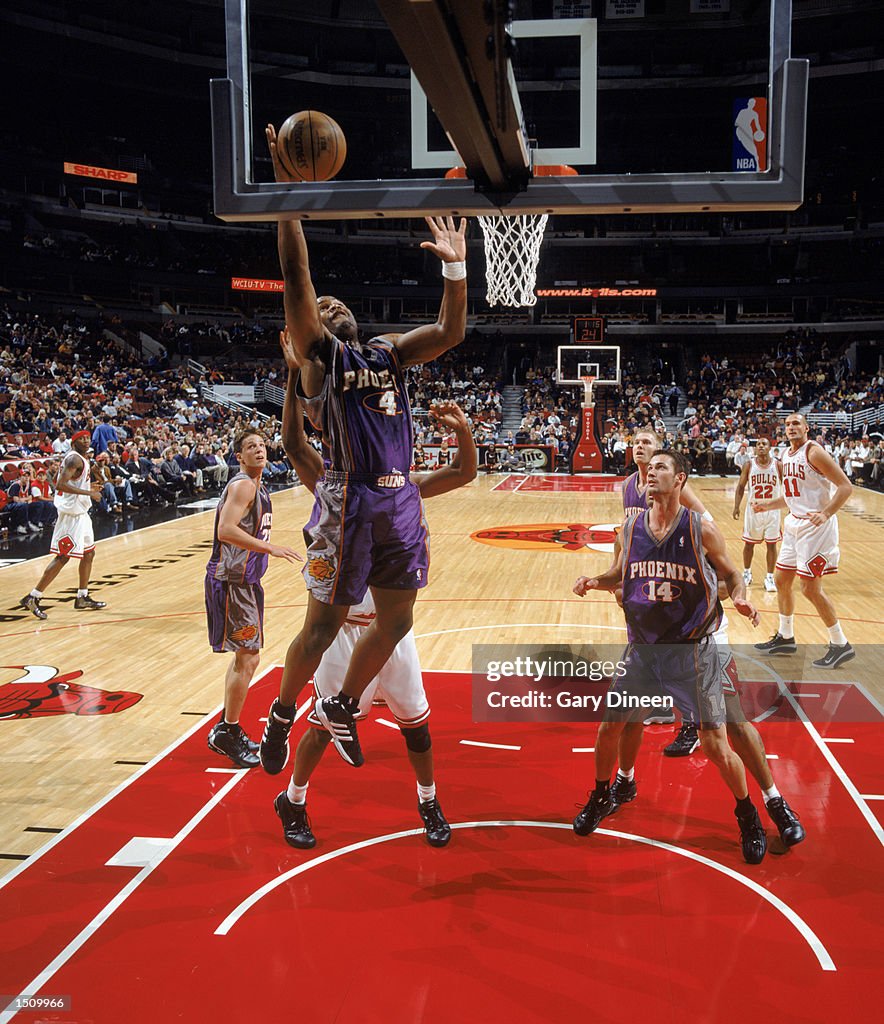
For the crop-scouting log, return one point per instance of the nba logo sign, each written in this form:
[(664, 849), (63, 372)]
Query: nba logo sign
[(750, 134)]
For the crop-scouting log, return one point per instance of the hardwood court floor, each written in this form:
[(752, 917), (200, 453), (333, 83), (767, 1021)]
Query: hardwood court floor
[(150, 641)]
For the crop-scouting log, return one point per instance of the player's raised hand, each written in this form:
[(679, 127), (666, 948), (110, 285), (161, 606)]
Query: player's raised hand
[(288, 350), (584, 584), (279, 172), (277, 551), (449, 414), (747, 609), (449, 242)]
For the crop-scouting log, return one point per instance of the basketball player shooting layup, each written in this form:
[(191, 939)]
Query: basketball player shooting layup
[(366, 529), (814, 488), (669, 566), (399, 683), (72, 536), (241, 549)]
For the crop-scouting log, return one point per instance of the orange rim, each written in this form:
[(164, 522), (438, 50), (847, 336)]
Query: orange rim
[(540, 171)]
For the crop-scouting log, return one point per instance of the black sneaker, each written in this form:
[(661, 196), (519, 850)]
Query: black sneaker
[(32, 604), (295, 823), (232, 742), (594, 810), (274, 749), (86, 602), (685, 742), (778, 644), (753, 838), (438, 829), (624, 790), (835, 656), (250, 743), (341, 727), (786, 820)]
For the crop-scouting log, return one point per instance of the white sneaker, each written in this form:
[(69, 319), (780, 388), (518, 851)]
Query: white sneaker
[(747, 576), (769, 584)]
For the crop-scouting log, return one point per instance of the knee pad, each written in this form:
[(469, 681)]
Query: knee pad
[(417, 739)]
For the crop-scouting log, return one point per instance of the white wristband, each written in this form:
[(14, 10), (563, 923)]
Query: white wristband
[(454, 271), (707, 515)]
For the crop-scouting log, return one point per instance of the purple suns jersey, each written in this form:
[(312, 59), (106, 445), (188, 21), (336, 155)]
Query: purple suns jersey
[(634, 501), (362, 410), (234, 564), (670, 590)]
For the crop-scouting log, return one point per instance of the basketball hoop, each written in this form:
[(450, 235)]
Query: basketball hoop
[(512, 247), (588, 382)]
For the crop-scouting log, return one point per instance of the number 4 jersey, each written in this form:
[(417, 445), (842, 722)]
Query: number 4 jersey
[(362, 410), (670, 590)]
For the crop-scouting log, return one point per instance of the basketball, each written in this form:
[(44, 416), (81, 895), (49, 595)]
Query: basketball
[(311, 146), (758, 136)]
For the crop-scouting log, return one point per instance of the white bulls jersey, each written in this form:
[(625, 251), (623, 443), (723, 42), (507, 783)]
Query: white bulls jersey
[(399, 683), (764, 481), (74, 504), (804, 489), (362, 614)]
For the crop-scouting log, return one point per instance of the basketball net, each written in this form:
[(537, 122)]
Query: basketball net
[(512, 247), (512, 251), (588, 382)]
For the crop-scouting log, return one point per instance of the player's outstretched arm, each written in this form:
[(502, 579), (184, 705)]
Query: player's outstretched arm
[(823, 463), (741, 489), (306, 461), (465, 463), (309, 337), (716, 552), (241, 494), (427, 342)]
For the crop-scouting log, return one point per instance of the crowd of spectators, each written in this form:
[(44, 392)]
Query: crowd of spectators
[(154, 438)]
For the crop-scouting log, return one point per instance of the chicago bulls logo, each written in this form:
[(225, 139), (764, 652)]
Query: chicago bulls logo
[(40, 692)]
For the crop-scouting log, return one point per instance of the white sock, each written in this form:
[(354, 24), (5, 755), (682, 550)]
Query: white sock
[(83, 593), (297, 794), (425, 793), (787, 627), (836, 635), (36, 593), (230, 721), (629, 776), (770, 794)]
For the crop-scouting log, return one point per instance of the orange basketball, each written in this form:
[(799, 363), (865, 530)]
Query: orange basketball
[(311, 146)]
